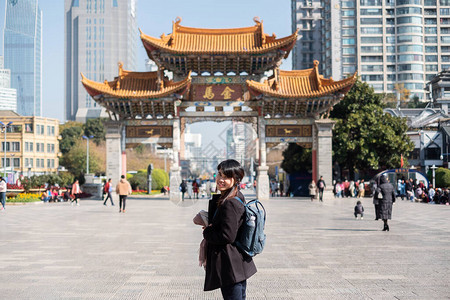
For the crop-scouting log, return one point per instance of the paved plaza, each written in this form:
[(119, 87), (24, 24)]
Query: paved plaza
[(314, 251)]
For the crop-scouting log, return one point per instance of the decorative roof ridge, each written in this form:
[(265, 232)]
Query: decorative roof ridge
[(295, 73), (315, 74), (177, 28), (315, 84), (257, 28), (331, 81), (113, 88), (141, 75)]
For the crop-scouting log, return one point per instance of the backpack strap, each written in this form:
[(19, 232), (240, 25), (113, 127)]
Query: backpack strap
[(240, 200)]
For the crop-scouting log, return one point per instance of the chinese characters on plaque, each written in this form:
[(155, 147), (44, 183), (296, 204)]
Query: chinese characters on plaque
[(217, 92)]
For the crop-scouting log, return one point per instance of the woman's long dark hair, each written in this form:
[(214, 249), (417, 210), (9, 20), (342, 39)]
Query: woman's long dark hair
[(231, 169)]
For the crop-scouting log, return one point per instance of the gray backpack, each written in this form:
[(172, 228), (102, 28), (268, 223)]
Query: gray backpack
[(251, 238)]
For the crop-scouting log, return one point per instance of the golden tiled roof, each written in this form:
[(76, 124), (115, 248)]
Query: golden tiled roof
[(301, 84), (187, 40), (136, 85)]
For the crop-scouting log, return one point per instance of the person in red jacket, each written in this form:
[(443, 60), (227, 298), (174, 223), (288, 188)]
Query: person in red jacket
[(107, 190), (76, 191)]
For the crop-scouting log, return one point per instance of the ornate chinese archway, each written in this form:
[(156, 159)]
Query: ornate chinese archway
[(223, 69)]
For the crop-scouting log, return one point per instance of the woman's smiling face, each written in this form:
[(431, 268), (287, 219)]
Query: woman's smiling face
[(223, 183)]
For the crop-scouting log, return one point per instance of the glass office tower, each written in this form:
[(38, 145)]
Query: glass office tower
[(98, 35), (23, 53)]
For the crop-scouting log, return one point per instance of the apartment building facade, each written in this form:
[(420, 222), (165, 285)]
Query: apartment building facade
[(389, 42), (32, 144)]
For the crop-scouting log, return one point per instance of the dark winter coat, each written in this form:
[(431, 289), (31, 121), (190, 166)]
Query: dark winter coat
[(359, 209), (225, 264), (183, 187), (385, 204), (319, 182)]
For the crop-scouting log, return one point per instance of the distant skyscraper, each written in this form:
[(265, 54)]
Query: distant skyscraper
[(8, 96), (23, 53), (386, 41), (98, 35)]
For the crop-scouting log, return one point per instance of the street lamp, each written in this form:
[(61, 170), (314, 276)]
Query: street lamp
[(87, 151), (433, 168), (11, 163), (4, 127)]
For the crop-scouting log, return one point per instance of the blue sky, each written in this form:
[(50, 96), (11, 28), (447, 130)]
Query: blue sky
[(154, 18)]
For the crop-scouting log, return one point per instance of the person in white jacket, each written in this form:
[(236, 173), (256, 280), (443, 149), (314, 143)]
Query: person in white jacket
[(3, 188)]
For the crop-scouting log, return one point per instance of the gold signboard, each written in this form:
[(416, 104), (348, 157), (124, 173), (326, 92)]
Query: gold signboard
[(149, 131), (289, 131), (231, 92)]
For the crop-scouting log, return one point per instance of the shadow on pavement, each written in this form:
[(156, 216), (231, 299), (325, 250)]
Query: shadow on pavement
[(346, 229)]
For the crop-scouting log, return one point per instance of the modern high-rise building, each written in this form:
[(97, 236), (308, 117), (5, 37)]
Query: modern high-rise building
[(98, 35), (388, 42), (307, 16), (8, 96), (22, 50)]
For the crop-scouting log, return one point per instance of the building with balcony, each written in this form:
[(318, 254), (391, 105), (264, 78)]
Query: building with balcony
[(388, 42), (32, 144)]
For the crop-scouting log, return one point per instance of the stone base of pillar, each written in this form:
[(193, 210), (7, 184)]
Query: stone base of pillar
[(262, 186), (328, 194), (175, 181)]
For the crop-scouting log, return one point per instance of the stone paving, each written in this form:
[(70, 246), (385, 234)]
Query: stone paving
[(314, 251)]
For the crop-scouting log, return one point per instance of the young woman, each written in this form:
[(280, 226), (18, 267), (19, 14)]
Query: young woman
[(226, 267)]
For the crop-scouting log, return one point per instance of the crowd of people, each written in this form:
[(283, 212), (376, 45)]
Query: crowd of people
[(406, 189), (354, 189), (54, 193), (417, 191), (197, 188)]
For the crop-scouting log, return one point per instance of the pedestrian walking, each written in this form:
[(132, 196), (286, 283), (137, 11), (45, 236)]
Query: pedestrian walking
[(3, 188), (76, 191), (195, 188), (361, 189), (312, 190), (273, 188), (281, 189), (123, 188), (183, 188), (388, 197), (375, 195), (108, 190), (359, 210), (321, 186), (226, 267)]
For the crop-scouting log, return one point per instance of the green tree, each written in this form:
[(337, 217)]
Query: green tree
[(96, 128), (70, 135), (296, 159), (66, 179), (75, 160), (364, 137), (416, 103)]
